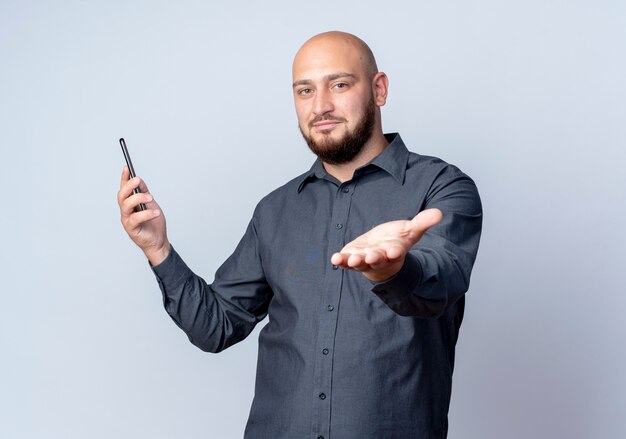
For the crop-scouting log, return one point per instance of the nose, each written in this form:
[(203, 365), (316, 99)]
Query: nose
[(322, 102)]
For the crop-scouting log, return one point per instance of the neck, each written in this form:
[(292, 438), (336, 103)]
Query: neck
[(374, 146)]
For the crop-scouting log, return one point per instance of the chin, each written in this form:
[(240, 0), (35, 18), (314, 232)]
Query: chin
[(332, 135)]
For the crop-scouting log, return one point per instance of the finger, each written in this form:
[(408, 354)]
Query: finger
[(123, 180), (143, 187), (425, 220), (130, 204), (375, 257), (385, 257), (348, 260), (129, 187), (356, 261), (395, 252), (340, 259), (138, 218), (125, 176)]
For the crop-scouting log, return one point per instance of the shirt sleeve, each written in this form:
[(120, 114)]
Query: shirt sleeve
[(223, 313), (436, 272)]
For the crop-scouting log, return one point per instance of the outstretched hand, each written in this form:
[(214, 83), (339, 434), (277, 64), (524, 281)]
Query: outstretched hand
[(379, 254)]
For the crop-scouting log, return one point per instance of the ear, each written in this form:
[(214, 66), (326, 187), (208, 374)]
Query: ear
[(380, 87)]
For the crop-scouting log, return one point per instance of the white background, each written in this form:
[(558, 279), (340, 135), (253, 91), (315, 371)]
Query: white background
[(528, 98)]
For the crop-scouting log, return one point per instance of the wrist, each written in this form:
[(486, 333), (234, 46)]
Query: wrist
[(158, 255)]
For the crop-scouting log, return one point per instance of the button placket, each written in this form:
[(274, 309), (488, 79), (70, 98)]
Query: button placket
[(328, 320)]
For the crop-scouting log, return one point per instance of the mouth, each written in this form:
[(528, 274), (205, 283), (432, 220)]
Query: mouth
[(326, 125)]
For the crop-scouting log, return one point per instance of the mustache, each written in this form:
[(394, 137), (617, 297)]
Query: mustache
[(323, 117)]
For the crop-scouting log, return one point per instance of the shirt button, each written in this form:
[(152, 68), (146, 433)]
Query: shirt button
[(325, 351), (346, 190), (335, 267), (338, 226), (330, 307), (322, 396)]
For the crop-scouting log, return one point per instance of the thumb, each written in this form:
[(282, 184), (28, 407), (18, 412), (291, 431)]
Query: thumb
[(426, 219)]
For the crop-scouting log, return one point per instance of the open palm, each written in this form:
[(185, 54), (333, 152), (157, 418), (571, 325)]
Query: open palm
[(379, 253)]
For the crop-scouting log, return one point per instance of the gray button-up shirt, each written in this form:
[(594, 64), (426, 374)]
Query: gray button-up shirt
[(342, 357)]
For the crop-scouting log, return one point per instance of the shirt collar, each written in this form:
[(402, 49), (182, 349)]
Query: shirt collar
[(393, 160), (394, 157)]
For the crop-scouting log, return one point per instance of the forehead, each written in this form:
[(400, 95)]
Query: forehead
[(323, 57)]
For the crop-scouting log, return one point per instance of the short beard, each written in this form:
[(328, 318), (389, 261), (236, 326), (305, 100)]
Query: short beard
[(350, 145)]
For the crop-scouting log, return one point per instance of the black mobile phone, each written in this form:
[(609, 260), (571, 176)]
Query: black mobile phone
[(131, 169)]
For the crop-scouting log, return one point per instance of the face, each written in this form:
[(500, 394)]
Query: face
[(334, 100), (348, 144)]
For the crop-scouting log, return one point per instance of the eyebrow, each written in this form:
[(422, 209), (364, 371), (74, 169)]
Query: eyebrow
[(330, 77)]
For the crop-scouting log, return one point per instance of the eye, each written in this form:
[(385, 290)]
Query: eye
[(341, 85), (305, 91)]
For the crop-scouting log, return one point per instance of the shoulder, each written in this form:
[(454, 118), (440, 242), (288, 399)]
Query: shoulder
[(440, 180), (431, 166), (419, 169)]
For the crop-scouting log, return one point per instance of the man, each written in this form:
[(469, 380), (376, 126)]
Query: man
[(364, 297)]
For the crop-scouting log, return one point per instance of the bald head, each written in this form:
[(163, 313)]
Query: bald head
[(338, 45)]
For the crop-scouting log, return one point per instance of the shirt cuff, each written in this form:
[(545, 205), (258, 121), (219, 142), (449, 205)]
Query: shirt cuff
[(172, 270), (403, 283)]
